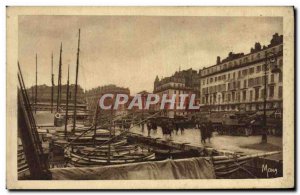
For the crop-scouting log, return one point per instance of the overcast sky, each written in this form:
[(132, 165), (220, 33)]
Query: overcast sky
[(130, 51)]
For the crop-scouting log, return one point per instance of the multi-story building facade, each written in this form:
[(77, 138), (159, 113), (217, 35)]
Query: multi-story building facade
[(182, 82), (237, 82), (44, 94), (93, 96), (44, 98)]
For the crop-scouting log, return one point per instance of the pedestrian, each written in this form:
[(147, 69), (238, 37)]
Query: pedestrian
[(176, 128), (149, 127), (181, 127), (203, 133), (154, 127), (163, 128), (209, 129)]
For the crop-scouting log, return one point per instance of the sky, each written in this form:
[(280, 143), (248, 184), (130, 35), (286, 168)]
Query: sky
[(129, 51)]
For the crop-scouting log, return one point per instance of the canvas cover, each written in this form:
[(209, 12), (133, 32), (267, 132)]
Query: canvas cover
[(192, 168)]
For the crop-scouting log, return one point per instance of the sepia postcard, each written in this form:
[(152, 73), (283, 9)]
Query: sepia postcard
[(150, 98)]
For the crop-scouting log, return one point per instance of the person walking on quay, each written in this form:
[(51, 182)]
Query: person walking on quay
[(203, 133), (166, 129), (176, 127), (170, 128), (209, 129), (149, 127), (181, 127)]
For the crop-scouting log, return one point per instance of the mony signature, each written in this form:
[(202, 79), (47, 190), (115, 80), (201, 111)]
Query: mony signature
[(266, 169)]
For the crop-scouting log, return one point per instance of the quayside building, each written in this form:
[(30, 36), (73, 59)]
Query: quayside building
[(236, 83), (181, 82)]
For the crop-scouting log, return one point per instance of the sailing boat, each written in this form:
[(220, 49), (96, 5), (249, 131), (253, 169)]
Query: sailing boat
[(106, 149), (96, 146)]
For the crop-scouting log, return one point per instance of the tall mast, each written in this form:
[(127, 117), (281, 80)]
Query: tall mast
[(95, 123), (67, 105), (76, 81), (52, 83), (59, 79), (32, 95), (35, 83), (110, 129)]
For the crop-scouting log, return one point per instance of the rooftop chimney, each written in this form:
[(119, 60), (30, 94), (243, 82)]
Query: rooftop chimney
[(218, 60)]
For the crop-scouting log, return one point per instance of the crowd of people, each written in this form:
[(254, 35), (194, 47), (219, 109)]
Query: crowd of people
[(168, 127), (171, 127)]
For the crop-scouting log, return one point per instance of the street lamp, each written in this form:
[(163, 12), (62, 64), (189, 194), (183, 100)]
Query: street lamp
[(270, 59)]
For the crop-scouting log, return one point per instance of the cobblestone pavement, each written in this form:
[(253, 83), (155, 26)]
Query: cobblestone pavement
[(219, 142)]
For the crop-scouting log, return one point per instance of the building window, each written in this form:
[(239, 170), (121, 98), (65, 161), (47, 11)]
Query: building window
[(256, 93), (239, 74), (263, 68), (251, 70), (228, 75), (280, 92), (262, 93), (272, 78), (251, 95), (244, 72), (234, 75), (233, 96), (250, 82), (244, 95), (258, 68), (271, 93), (264, 79), (245, 83), (280, 77), (258, 56)]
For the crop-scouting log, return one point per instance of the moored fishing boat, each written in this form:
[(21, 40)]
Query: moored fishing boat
[(117, 151), (81, 160)]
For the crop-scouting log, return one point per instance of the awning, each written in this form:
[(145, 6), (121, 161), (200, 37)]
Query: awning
[(268, 112)]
